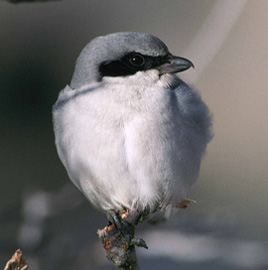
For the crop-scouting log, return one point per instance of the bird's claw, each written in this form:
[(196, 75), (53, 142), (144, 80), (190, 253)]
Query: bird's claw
[(116, 220)]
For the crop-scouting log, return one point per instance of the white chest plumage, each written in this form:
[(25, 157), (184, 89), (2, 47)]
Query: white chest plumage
[(129, 145)]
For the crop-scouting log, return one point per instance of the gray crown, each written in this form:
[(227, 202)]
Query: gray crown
[(112, 47)]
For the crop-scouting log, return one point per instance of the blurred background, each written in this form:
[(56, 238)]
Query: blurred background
[(42, 213)]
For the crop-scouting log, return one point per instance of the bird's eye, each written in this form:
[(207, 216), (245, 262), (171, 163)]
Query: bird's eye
[(137, 60)]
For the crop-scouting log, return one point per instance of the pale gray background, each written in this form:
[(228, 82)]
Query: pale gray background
[(44, 215)]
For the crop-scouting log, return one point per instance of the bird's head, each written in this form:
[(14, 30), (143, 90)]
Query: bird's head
[(124, 54)]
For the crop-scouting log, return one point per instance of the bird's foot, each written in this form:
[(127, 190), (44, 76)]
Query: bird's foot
[(134, 217), (116, 219)]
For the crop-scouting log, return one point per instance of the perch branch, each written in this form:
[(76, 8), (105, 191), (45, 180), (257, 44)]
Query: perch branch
[(119, 242), (118, 238)]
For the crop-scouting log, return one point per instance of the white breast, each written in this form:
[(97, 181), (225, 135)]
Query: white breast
[(126, 145)]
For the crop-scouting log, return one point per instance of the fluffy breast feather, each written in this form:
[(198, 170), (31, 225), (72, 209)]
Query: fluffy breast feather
[(135, 146)]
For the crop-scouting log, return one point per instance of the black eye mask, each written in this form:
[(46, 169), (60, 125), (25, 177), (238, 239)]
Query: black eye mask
[(130, 64)]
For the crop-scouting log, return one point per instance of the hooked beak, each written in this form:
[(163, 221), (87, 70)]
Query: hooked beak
[(175, 64)]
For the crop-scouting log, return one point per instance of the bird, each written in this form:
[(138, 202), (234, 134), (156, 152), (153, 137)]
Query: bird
[(130, 133)]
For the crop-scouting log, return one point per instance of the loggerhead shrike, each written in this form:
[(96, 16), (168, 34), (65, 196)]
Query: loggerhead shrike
[(129, 132)]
